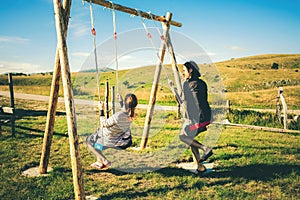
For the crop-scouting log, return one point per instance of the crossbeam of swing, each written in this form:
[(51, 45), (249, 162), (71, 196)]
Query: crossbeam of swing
[(133, 11)]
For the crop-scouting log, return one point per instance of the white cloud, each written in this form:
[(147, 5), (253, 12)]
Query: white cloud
[(7, 66), (13, 39), (199, 57), (79, 29), (80, 54), (127, 58), (211, 54), (236, 48)]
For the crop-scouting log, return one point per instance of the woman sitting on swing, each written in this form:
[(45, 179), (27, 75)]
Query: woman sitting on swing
[(198, 112), (114, 132)]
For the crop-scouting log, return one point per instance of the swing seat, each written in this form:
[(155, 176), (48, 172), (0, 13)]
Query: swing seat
[(194, 129), (196, 126), (122, 142)]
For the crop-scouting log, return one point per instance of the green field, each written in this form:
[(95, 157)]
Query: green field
[(247, 82), (249, 164)]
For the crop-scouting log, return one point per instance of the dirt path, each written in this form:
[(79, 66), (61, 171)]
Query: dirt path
[(90, 102), (77, 101)]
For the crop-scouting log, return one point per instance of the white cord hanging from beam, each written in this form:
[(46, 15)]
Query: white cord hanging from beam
[(158, 30), (116, 46), (93, 30), (152, 42)]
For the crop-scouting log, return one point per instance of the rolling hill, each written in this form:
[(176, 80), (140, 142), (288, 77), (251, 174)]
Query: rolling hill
[(248, 82)]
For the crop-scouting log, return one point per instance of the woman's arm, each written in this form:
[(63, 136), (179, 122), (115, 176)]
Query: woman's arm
[(106, 122), (111, 121), (120, 99)]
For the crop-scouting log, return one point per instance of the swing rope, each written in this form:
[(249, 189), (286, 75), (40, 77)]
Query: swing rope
[(165, 40), (116, 46), (157, 28), (152, 42), (147, 32), (93, 30)]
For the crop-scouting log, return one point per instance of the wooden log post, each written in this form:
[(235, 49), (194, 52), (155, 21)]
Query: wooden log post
[(178, 110), (113, 101), (0, 124), (153, 93), (11, 90), (132, 11), (69, 103), (12, 104), (6, 110), (278, 107), (48, 135), (284, 106), (227, 107), (174, 65), (175, 72), (107, 99)]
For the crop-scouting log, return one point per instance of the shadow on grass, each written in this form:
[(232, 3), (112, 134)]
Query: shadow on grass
[(132, 193), (25, 113), (59, 170), (31, 130), (23, 130), (263, 172), (168, 171)]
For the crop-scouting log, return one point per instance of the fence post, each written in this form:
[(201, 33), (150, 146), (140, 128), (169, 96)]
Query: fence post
[(106, 98), (227, 108), (284, 106), (278, 107), (12, 103), (113, 104), (178, 110), (11, 90)]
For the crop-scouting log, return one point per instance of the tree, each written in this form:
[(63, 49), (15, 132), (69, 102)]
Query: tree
[(126, 84), (275, 66)]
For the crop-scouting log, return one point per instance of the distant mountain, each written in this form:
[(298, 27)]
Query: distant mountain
[(265, 61), (100, 70)]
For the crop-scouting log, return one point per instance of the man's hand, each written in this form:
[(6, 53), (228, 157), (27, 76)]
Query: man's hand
[(171, 83), (101, 105), (120, 99)]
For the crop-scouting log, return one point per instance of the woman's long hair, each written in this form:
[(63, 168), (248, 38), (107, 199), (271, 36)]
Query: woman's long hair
[(130, 102), (192, 65)]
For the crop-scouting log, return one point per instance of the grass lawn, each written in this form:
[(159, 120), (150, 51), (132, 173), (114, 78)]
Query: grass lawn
[(249, 165)]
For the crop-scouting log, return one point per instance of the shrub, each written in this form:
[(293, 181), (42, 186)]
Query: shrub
[(251, 117), (275, 66)]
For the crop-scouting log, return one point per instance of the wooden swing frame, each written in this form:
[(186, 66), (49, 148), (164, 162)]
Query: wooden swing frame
[(62, 71)]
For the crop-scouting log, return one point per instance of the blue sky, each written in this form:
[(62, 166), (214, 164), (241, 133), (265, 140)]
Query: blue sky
[(223, 28)]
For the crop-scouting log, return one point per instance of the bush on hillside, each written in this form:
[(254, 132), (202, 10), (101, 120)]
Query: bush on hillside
[(251, 117)]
